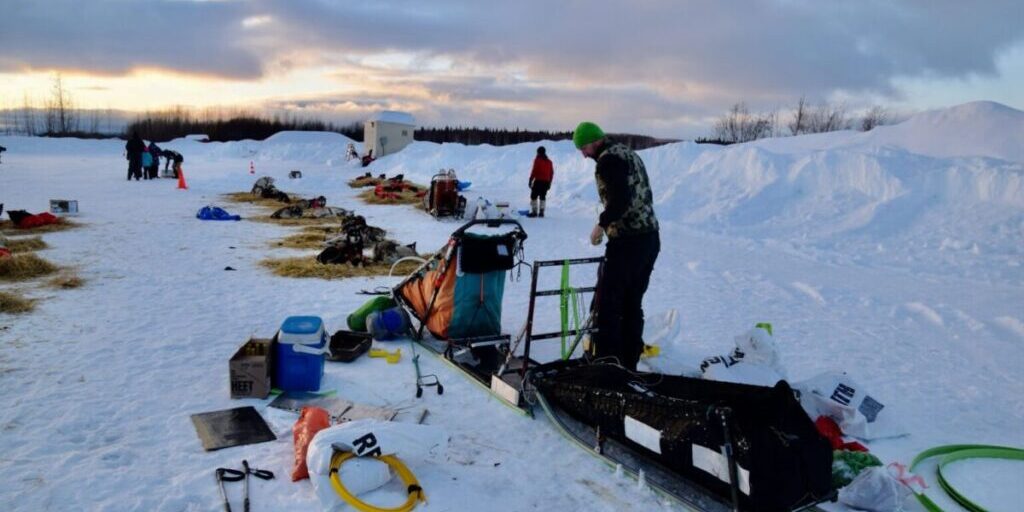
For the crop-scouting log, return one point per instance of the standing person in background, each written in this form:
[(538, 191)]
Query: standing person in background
[(633, 244), (540, 182), (154, 168), (2, 149), (134, 149)]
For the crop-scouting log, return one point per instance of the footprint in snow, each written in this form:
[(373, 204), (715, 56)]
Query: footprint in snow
[(809, 291), (1011, 324), (926, 313)]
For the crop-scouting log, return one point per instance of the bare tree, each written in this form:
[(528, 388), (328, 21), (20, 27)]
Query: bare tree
[(799, 123), (739, 125), (60, 109), (28, 116), (827, 117), (876, 116)]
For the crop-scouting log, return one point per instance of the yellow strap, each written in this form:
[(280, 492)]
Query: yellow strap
[(415, 491)]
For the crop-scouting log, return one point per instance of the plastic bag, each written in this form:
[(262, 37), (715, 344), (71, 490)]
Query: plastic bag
[(875, 490), (311, 421), (839, 397), (410, 442), (754, 361)]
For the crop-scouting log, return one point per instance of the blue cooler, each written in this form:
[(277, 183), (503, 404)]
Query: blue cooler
[(299, 354)]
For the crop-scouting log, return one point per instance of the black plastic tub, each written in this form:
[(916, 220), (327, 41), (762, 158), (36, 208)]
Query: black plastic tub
[(346, 346)]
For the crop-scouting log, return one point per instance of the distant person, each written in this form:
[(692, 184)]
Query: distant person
[(173, 156), (540, 182), (2, 149), (633, 244), (134, 149), (154, 168), (147, 162), (368, 158)]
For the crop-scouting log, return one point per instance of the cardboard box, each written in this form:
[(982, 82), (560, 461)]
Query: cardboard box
[(250, 369)]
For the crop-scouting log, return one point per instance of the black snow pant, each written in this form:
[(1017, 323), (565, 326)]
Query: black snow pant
[(135, 167), (624, 277), (539, 190)]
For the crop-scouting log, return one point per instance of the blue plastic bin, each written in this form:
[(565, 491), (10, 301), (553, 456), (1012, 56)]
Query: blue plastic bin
[(299, 354)]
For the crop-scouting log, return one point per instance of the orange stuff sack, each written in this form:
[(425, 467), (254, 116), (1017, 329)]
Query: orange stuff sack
[(311, 421)]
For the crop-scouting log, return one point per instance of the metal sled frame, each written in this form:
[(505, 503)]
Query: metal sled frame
[(577, 334), (502, 380)]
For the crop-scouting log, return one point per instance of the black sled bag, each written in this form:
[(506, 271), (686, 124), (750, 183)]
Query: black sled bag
[(480, 254), (784, 463)]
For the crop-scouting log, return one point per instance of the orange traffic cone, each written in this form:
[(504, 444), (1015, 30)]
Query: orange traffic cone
[(252, 168), (181, 180)]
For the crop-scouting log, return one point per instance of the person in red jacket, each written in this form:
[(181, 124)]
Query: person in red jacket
[(540, 182)]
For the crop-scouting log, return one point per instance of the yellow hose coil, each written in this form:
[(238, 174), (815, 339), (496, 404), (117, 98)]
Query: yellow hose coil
[(409, 479)]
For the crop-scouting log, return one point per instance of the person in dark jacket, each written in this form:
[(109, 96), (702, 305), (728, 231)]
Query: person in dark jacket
[(173, 156), (540, 182), (633, 245), (134, 149), (2, 149), (154, 168)]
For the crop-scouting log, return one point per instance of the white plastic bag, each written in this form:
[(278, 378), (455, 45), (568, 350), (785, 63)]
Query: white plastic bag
[(754, 361), (413, 443), (875, 490), (757, 346), (856, 412)]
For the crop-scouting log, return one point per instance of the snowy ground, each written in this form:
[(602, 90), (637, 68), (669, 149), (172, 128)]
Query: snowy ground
[(893, 255)]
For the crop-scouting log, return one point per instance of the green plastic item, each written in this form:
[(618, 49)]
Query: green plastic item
[(957, 452), (567, 293), (357, 320), (846, 465)]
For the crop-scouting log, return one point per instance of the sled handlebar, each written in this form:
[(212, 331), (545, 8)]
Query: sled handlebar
[(491, 223)]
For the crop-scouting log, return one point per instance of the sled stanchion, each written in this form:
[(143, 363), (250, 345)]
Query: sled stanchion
[(723, 414), (529, 318)]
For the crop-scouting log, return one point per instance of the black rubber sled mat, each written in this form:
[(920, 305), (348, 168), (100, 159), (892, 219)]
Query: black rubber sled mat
[(231, 427)]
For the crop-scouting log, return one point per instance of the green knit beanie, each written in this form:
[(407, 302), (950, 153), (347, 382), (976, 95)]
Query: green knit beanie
[(586, 133)]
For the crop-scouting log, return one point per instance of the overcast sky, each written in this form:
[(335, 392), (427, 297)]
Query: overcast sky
[(659, 67)]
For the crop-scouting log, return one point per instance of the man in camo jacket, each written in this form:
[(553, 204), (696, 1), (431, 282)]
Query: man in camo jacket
[(633, 244)]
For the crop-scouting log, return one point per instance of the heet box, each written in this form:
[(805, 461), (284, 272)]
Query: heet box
[(250, 369)]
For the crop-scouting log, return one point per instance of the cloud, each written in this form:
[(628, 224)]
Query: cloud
[(644, 63), (120, 36)]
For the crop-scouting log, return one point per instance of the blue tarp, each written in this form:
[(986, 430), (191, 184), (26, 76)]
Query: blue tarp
[(462, 185), (215, 213)]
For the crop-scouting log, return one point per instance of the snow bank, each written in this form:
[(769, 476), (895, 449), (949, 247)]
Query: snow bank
[(870, 253), (938, 182)]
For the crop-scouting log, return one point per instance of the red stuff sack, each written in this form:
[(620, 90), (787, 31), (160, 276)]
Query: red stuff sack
[(311, 421)]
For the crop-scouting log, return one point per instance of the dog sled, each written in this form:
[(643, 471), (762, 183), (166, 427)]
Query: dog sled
[(443, 198), (456, 296), (711, 446)]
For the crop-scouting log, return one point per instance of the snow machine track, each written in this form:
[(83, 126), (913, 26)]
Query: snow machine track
[(666, 483)]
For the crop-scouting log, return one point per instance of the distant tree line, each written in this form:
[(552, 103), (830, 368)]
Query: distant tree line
[(503, 136), (741, 125), (165, 126)]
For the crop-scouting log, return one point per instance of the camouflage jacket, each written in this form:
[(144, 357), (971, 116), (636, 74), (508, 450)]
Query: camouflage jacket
[(625, 192)]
